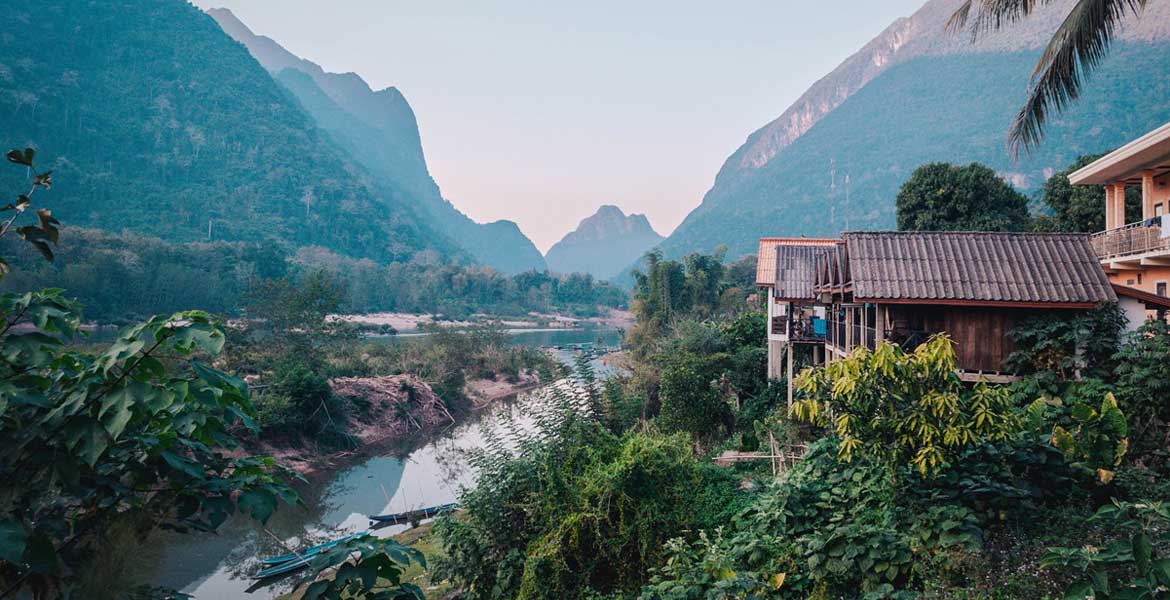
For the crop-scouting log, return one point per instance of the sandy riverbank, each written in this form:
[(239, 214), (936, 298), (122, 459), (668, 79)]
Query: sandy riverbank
[(410, 322)]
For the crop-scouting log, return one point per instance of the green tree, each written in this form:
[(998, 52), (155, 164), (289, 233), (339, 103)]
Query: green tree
[(1075, 49), (945, 197), (1081, 208), (693, 397), (903, 408), (1143, 384)]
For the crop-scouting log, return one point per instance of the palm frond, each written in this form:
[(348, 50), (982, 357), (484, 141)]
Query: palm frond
[(992, 14), (1079, 45), (958, 20)]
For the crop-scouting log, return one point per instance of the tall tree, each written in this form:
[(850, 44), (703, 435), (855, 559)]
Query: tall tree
[(1077, 47), (1081, 208), (945, 197)]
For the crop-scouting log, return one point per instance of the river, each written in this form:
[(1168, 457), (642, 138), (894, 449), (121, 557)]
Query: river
[(220, 566)]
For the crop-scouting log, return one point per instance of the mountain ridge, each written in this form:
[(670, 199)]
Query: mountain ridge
[(379, 129), (915, 94)]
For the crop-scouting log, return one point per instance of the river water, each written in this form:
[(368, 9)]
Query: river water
[(220, 566)]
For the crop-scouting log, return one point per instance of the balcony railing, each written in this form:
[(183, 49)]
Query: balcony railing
[(811, 329), (1135, 238), (808, 329)]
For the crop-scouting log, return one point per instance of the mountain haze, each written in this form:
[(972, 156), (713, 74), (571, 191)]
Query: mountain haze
[(917, 94), (603, 244), (155, 121), (380, 131)]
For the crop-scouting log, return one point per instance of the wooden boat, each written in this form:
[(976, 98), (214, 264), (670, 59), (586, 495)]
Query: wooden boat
[(283, 568), (279, 565), (412, 516), (310, 551)]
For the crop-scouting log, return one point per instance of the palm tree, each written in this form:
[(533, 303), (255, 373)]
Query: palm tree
[(1077, 47)]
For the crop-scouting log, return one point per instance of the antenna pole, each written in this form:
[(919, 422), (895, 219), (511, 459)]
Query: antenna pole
[(846, 202), (833, 195)]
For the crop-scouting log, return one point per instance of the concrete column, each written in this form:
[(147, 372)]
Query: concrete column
[(1119, 204), (1110, 215), (1147, 195)]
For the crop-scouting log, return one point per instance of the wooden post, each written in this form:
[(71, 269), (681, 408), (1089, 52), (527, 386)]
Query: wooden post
[(788, 347), (772, 451)]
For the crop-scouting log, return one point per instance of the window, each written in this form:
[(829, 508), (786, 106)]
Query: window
[(1158, 210), (1160, 289), (1139, 278)]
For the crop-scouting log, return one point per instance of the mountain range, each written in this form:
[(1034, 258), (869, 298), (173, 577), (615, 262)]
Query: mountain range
[(916, 94), (156, 122), (603, 244), (379, 130)]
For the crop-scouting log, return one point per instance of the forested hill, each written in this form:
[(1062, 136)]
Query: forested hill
[(914, 95), (156, 121), (379, 130)]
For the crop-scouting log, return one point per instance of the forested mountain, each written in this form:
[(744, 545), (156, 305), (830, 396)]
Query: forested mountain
[(379, 130), (603, 244), (155, 121), (917, 94)]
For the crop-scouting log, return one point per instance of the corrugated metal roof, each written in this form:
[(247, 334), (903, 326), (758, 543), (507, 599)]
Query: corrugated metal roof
[(796, 269), (976, 266), (766, 256)]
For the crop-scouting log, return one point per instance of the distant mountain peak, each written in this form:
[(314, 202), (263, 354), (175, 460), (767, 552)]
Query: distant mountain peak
[(603, 243), (609, 222)]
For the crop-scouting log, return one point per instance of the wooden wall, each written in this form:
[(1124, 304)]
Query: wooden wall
[(980, 333)]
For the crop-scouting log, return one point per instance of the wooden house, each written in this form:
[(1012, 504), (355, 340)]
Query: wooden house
[(903, 287), (785, 270)]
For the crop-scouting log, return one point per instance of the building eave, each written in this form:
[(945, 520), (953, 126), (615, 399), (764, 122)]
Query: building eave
[(1149, 152), (986, 303)]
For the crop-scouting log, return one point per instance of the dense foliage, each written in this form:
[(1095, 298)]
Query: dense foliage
[(97, 267), (945, 197), (571, 509), (903, 409)]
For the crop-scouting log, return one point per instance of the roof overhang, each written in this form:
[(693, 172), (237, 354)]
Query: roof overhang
[(1151, 152), (986, 303), (1152, 301)]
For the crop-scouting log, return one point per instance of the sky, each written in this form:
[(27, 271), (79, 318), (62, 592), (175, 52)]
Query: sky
[(540, 112)]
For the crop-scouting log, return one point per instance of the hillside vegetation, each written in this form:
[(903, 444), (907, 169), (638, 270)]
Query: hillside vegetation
[(157, 122), (951, 108)]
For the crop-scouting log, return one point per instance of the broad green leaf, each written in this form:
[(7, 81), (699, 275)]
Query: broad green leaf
[(1143, 551), (259, 504)]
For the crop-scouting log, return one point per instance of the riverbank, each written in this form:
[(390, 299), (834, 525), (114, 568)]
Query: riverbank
[(414, 322), (390, 412)]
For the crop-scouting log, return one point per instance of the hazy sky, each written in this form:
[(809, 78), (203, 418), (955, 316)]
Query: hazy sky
[(539, 112)]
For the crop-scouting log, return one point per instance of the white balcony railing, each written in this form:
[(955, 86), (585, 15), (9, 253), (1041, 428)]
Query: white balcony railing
[(1135, 238)]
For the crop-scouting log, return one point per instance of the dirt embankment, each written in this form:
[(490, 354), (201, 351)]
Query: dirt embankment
[(386, 411)]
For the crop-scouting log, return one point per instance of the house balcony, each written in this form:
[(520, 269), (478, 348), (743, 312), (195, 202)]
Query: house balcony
[(803, 330), (1133, 246)]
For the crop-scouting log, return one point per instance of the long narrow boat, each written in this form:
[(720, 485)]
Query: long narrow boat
[(283, 568), (311, 550), (411, 516)]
